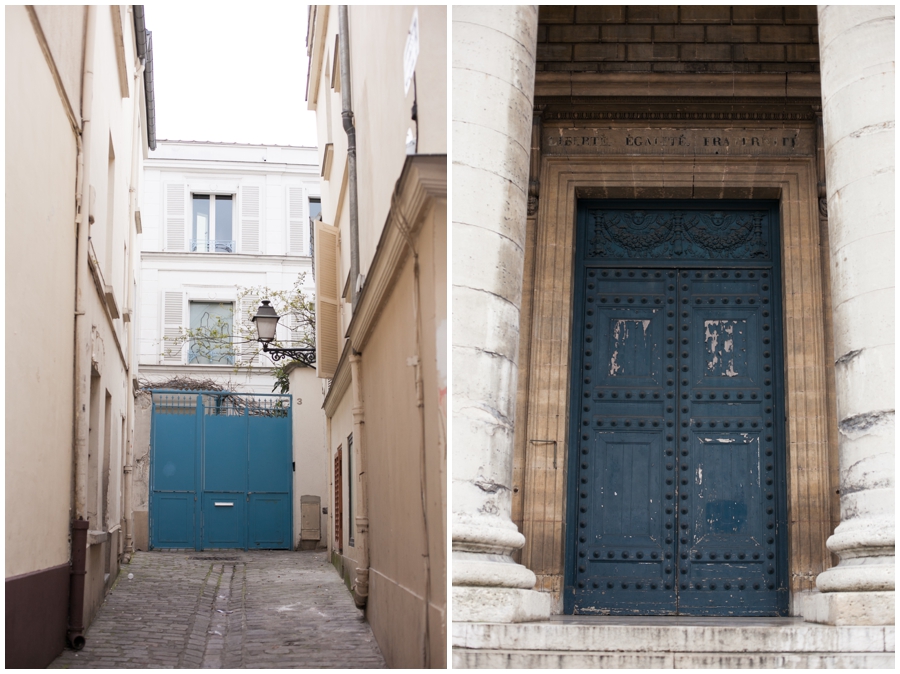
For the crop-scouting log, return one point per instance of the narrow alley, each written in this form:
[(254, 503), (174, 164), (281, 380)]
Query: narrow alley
[(227, 609)]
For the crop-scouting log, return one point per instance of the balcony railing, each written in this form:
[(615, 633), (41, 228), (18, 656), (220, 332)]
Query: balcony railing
[(211, 246)]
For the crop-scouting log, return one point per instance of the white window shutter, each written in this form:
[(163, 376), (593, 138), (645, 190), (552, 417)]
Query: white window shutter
[(246, 350), (297, 219), (250, 219), (175, 216), (173, 320), (328, 301)]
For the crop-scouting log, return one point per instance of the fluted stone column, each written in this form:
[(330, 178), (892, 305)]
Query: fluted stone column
[(857, 62), (493, 91)]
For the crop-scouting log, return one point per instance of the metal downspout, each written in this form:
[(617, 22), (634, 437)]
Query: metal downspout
[(360, 586), (347, 117), (82, 368), (361, 581), (129, 292)]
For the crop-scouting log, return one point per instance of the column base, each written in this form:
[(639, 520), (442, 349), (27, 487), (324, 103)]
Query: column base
[(499, 605), (850, 608)]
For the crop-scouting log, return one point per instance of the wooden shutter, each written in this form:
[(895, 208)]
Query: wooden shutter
[(250, 219), (246, 350), (173, 320), (175, 216), (328, 301), (297, 218)]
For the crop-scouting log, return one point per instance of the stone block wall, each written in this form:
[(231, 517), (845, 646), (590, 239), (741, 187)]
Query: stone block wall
[(670, 38)]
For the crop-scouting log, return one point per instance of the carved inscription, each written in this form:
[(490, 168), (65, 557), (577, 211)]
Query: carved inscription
[(789, 142)]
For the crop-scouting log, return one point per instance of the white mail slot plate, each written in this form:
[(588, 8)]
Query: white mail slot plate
[(223, 504)]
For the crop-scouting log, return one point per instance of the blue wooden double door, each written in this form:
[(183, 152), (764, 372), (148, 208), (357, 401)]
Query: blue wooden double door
[(677, 460), (220, 471)]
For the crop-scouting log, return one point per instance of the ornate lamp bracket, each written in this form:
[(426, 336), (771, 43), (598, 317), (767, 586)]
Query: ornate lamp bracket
[(307, 356)]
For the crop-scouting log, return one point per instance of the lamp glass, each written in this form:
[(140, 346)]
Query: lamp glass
[(265, 326), (266, 321)]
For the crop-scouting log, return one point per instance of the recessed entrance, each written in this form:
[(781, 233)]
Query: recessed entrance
[(677, 462)]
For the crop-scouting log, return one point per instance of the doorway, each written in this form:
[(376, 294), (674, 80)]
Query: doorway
[(677, 464)]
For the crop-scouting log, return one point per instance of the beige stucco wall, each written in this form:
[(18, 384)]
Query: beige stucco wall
[(310, 451), (40, 208), (407, 516), (403, 444), (41, 156), (378, 87), (382, 113)]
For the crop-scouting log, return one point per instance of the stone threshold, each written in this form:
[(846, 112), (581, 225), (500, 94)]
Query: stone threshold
[(671, 642)]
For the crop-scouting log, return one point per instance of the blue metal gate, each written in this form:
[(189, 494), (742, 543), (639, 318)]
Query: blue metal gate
[(220, 471), (677, 459)]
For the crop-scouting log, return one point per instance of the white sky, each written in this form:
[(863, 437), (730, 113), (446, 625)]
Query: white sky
[(231, 73)]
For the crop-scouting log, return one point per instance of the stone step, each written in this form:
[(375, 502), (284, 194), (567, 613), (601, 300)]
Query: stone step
[(664, 642)]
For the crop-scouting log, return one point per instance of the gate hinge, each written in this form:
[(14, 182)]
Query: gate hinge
[(294, 466)]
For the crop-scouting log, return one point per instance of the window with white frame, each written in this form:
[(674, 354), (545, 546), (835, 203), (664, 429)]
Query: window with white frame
[(212, 225), (211, 332)]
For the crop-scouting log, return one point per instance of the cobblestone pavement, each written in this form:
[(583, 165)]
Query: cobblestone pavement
[(227, 609)]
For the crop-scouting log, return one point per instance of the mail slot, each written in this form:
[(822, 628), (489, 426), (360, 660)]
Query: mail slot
[(218, 503)]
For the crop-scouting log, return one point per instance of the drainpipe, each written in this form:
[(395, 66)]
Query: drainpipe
[(84, 219), (75, 633), (82, 368), (361, 581), (347, 117), (128, 468)]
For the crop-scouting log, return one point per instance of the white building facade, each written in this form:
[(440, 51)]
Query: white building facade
[(224, 226), (219, 219)]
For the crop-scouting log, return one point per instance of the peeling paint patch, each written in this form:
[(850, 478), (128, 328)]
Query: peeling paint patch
[(862, 424), (489, 486), (632, 345), (721, 361)]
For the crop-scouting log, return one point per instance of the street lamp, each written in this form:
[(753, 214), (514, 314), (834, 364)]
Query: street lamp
[(266, 321)]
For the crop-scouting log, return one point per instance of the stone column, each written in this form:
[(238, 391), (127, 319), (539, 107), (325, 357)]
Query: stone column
[(493, 90), (857, 62)]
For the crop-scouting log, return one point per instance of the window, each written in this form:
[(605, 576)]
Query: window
[(211, 228), (211, 330), (315, 207)]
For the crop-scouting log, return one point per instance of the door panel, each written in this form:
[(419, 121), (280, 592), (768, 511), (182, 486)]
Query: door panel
[(676, 455), (173, 471), (224, 521), (270, 453), (225, 453), (269, 520), (173, 521)]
